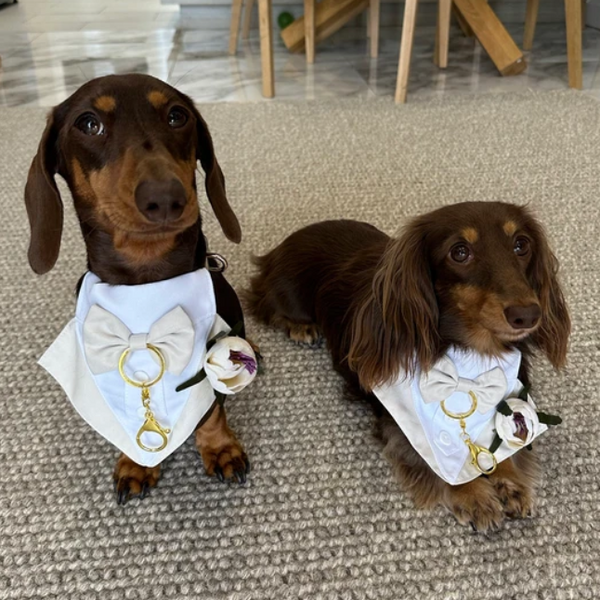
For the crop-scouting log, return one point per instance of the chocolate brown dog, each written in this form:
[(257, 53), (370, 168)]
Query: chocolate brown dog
[(128, 147), (477, 276)]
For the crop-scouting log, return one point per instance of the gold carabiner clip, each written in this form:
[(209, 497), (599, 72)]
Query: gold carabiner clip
[(474, 449), (151, 425)]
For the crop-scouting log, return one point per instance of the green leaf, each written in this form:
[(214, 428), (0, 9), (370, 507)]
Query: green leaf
[(495, 443), (547, 419), (523, 394), (504, 408), (197, 378), (236, 329), (215, 339)]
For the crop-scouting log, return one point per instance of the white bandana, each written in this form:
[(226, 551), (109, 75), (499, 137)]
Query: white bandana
[(415, 404), (177, 316)]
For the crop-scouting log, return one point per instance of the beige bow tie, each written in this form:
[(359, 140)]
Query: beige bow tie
[(106, 337), (442, 381)]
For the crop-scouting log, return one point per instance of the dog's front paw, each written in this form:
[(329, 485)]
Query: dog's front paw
[(305, 334), (133, 480), (227, 462), (476, 504), (515, 490)]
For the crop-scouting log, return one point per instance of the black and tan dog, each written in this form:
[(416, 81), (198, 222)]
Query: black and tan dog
[(128, 147), (478, 276)]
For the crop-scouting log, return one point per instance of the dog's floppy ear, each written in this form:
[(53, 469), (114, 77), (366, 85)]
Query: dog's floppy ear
[(215, 182), (394, 324), (43, 203), (552, 337)]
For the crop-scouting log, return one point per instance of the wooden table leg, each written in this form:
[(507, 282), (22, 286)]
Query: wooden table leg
[(574, 43), (247, 19), (531, 16), (374, 8), (234, 28), (493, 36), (406, 44), (443, 33), (309, 30), (266, 47)]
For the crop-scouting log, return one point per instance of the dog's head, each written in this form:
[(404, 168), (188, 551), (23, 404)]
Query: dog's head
[(478, 275), (128, 147)]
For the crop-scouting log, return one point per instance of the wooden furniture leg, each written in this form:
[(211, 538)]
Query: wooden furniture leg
[(247, 18), (531, 16), (574, 43), (266, 47), (374, 8), (309, 30), (406, 44), (443, 33), (493, 36), (464, 26), (234, 28)]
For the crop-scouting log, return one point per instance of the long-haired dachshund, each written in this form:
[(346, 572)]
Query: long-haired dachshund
[(128, 147), (474, 275)]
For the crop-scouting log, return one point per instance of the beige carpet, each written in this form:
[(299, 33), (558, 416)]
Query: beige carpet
[(320, 517)]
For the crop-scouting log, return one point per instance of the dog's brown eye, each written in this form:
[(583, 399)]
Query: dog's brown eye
[(89, 124), (177, 117), (460, 253), (522, 246)]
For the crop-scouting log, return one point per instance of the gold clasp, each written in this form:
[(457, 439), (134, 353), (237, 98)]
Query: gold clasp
[(474, 449), (151, 425)]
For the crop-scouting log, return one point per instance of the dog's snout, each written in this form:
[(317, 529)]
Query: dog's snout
[(161, 201), (523, 317)]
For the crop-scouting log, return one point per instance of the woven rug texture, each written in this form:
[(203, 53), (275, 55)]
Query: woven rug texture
[(321, 516)]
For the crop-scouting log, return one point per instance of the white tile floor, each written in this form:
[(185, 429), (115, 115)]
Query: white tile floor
[(49, 48)]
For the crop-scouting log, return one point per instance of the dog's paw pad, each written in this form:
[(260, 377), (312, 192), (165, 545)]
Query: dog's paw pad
[(516, 497), (305, 334), (477, 505), (133, 480), (227, 463)]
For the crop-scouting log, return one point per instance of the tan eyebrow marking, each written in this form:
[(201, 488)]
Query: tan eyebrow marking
[(470, 234), (105, 103), (509, 228), (157, 99)]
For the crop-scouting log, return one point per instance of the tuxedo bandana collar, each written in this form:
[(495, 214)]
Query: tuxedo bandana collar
[(449, 413), (127, 349)]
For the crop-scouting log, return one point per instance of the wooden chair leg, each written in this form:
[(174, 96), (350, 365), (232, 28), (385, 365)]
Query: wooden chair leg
[(374, 8), (265, 24), (574, 43), (247, 18), (531, 16), (443, 33), (309, 30), (234, 28), (406, 44)]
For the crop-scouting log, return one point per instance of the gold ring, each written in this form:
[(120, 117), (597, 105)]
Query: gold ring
[(142, 384), (464, 415)]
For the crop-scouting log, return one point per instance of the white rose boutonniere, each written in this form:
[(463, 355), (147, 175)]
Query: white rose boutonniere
[(520, 427), (517, 422), (230, 365)]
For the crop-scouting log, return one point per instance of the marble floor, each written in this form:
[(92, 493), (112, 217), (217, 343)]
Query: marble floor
[(49, 48)]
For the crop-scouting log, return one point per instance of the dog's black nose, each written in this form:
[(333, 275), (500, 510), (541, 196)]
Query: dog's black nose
[(161, 201), (523, 317)]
